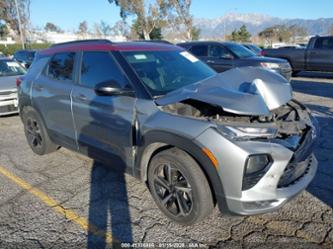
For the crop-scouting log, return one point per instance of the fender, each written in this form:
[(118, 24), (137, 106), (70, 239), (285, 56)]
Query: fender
[(154, 141)]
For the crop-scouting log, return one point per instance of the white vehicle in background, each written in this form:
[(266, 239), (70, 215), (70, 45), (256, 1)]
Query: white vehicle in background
[(10, 71)]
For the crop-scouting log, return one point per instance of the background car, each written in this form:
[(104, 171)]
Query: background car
[(25, 57), (223, 56), (10, 70), (254, 48), (317, 56)]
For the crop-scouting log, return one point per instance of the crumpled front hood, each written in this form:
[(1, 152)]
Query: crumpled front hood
[(244, 91)]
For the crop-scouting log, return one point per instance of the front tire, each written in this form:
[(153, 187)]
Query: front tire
[(179, 187), (36, 134)]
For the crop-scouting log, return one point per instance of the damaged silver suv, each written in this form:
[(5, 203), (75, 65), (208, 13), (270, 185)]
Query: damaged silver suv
[(197, 138)]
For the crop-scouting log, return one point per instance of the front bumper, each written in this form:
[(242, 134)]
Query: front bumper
[(8, 104), (268, 194)]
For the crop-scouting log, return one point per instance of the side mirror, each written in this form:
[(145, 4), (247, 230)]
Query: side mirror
[(112, 88)]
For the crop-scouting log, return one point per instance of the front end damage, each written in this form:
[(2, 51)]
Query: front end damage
[(265, 158)]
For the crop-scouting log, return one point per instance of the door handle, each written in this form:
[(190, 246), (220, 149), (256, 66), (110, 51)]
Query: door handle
[(210, 61), (81, 97)]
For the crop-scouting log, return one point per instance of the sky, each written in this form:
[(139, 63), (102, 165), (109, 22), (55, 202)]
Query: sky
[(69, 13)]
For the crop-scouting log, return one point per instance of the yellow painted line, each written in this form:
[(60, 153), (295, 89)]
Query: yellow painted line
[(67, 213)]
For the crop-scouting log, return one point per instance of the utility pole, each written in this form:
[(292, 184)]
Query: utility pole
[(20, 24)]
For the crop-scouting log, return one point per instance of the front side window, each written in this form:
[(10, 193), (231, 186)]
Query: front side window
[(218, 52), (10, 68), (199, 50), (61, 66), (165, 71), (99, 67)]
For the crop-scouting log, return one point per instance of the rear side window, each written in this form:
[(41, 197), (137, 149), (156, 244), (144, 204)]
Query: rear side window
[(199, 50), (324, 43), (98, 67), (61, 66)]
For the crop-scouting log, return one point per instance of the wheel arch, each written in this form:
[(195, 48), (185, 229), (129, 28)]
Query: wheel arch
[(156, 141)]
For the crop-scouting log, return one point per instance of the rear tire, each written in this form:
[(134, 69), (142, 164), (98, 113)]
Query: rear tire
[(179, 187), (36, 134)]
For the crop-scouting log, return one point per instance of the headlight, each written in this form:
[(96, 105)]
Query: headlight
[(270, 65), (245, 132)]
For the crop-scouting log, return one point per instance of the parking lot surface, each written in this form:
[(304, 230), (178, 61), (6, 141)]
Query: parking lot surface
[(64, 200)]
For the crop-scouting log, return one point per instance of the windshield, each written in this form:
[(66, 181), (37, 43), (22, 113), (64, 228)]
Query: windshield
[(165, 71), (10, 68), (254, 48), (240, 51)]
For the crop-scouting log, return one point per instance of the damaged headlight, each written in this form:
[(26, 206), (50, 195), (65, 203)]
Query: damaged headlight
[(246, 132)]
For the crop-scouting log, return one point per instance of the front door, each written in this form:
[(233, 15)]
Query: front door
[(103, 123), (220, 58)]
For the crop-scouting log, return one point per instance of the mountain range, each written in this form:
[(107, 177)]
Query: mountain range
[(215, 28)]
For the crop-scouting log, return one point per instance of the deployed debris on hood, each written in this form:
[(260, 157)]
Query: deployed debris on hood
[(245, 91)]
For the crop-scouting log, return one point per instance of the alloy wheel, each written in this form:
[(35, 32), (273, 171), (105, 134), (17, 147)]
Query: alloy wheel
[(173, 190), (33, 133)]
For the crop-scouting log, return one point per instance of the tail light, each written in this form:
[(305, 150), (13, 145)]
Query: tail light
[(18, 81)]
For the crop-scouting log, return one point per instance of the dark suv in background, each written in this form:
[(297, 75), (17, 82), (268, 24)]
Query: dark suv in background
[(223, 56), (25, 57)]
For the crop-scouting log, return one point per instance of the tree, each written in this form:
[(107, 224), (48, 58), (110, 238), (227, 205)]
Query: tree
[(120, 28), (51, 27), (234, 35), (244, 35), (9, 15), (241, 35), (83, 28), (283, 33), (149, 14), (97, 30), (136, 30), (105, 29), (195, 33), (3, 30), (297, 32), (179, 14)]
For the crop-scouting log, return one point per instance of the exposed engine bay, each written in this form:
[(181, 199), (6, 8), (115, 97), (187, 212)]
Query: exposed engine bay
[(291, 120)]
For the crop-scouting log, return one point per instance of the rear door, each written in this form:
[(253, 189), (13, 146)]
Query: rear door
[(320, 57), (103, 123), (220, 58), (51, 94)]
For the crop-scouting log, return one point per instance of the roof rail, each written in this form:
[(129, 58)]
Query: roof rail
[(82, 41), (157, 41)]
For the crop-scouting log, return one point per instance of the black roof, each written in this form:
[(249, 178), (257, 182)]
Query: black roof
[(102, 41)]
